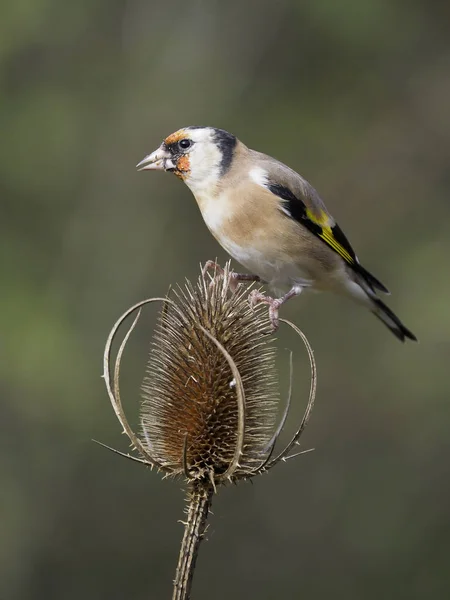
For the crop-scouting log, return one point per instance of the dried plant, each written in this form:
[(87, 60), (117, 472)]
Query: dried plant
[(209, 398)]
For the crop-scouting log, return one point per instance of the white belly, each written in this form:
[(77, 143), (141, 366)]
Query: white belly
[(278, 274)]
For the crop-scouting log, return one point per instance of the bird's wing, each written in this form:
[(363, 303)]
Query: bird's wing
[(301, 202)]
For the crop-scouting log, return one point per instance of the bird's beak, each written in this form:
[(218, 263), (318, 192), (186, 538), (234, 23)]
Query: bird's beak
[(159, 160)]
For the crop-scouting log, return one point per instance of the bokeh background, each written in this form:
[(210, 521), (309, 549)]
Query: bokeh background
[(356, 96)]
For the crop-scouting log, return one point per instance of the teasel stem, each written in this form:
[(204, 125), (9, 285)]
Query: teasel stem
[(199, 500)]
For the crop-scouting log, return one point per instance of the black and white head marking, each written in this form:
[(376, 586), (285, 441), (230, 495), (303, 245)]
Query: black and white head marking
[(226, 142), (210, 154)]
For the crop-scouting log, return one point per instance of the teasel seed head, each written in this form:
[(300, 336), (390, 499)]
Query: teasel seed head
[(210, 394)]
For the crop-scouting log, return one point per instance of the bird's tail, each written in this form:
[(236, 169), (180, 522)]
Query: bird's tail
[(385, 314), (362, 292)]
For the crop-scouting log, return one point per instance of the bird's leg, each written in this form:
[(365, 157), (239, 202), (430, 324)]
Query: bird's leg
[(235, 278), (256, 297)]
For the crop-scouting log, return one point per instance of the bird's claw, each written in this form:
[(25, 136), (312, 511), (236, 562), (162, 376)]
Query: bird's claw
[(211, 265), (256, 297)]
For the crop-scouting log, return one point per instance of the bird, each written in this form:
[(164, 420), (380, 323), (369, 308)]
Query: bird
[(271, 220)]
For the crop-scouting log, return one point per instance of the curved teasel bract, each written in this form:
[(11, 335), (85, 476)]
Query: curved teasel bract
[(210, 393)]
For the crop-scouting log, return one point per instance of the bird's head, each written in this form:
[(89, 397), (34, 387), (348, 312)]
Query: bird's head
[(197, 155)]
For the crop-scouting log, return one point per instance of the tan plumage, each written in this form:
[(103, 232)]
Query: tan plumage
[(241, 213), (270, 219)]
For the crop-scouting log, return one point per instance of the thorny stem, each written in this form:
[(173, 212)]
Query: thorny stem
[(198, 502)]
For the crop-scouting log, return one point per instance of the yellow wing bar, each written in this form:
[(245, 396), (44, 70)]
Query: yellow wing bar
[(333, 236), (328, 237)]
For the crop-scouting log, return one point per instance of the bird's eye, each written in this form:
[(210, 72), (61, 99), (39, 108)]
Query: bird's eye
[(184, 144)]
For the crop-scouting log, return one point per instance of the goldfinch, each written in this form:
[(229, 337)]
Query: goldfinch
[(269, 219)]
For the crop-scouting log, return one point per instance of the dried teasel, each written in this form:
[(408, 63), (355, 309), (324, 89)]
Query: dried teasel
[(210, 397)]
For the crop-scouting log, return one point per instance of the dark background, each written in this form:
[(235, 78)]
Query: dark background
[(353, 94)]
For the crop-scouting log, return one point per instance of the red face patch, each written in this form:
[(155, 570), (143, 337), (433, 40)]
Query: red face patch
[(182, 164), (173, 138), (183, 167)]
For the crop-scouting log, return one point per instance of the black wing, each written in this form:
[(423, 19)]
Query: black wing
[(322, 226)]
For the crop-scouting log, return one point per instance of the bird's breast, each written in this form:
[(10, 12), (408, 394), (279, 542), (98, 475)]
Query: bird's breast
[(230, 223), (248, 235)]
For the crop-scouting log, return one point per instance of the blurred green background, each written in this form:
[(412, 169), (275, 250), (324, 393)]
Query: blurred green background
[(353, 94)]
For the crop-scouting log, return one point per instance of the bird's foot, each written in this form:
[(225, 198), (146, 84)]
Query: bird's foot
[(211, 265), (235, 278), (256, 297)]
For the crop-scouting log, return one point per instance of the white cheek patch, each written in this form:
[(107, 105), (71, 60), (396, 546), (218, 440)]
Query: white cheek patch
[(205, 159), (259, 176)]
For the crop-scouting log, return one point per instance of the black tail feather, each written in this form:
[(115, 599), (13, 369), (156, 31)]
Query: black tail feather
[(371, 281), (385, 314)]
